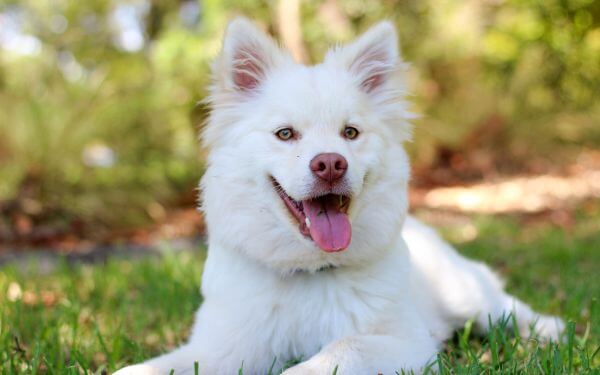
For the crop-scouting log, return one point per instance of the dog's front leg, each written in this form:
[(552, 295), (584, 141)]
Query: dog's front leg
[(369, 354)]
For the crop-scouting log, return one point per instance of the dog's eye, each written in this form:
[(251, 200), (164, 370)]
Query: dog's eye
[(285, 134), (350, 132)]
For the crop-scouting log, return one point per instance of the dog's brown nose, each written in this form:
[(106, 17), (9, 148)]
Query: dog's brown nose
[(329, 166)]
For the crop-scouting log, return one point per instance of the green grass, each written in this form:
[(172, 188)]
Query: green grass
[(91, 318)]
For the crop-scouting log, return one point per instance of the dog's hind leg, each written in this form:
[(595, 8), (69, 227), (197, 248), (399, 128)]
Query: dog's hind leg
[(452, 289)]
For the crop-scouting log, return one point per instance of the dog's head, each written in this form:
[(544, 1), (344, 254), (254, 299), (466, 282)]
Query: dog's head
[(306, 167)]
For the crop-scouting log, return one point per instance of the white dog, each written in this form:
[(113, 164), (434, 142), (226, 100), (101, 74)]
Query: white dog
[(311, 252)]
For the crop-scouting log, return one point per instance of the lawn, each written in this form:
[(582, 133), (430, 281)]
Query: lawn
[(87, 318)]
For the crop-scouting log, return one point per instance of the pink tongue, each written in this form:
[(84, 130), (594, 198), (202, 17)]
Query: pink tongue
[(329, 227)]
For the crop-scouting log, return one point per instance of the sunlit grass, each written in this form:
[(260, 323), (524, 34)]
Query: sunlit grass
[(96, 316), (89, 318)]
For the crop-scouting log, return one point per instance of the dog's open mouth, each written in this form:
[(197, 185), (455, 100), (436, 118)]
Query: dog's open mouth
[(323, 218)]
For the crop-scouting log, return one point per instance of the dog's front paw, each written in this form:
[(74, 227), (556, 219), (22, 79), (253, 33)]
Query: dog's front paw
[(314, 366), (549, 328), (301, 370), (138, 370)]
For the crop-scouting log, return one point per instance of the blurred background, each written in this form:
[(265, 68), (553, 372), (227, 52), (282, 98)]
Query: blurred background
[(101, 102)]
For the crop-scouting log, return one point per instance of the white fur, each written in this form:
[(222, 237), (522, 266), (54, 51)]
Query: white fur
[(388, 301)]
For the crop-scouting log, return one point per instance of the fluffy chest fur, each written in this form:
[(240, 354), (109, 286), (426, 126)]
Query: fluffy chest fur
[(295, 315)]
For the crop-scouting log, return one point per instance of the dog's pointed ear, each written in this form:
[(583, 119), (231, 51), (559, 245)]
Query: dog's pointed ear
[(371, 58), (247, 57)]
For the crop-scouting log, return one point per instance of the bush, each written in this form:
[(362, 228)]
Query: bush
[(99, 99)]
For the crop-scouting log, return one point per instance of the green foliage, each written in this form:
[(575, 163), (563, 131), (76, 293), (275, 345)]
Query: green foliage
[(82, 93), (526, 72), (84, 318)]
